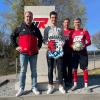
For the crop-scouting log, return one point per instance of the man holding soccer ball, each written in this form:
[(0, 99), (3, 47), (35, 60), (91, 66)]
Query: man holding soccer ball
[(80, 40)]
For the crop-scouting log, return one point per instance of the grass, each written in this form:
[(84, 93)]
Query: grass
[(6, 68)]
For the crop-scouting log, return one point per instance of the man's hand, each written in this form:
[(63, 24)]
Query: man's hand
[(84, 46), (38, 48), (51, 45), (18, 49)]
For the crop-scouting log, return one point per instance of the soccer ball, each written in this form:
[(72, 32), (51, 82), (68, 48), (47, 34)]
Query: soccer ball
[(77, 46)]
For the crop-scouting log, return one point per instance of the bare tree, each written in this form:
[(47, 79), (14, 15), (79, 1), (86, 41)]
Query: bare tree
[(68, 8), (96, 39)]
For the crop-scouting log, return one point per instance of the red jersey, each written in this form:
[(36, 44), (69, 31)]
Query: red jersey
[(81, 36), (67, 35)]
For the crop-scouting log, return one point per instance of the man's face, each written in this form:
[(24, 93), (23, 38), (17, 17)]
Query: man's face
[(28, 17), (77, 23), (53, 19), (66, 23)]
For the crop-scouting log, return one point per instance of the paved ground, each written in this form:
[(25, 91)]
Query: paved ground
[(9, 88)]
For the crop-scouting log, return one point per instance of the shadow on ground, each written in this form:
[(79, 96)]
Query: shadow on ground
[(94, 81)]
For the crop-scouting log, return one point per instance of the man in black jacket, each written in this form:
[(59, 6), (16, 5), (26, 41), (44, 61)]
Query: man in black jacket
[(67, 57), (28, 43)]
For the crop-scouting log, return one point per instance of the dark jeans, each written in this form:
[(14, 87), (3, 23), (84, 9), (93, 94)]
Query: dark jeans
[(51, 64), (67, 68)]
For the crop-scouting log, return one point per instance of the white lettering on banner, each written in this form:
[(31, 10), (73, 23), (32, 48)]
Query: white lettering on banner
[(77, 38)]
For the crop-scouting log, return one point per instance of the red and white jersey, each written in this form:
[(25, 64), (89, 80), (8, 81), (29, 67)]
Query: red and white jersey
[(81, 36)]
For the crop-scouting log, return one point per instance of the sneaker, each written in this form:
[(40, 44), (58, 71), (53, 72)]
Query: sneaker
[(73, 88), (35, 91), (86, 90), (20, 92), (50, 89), (61, 89)]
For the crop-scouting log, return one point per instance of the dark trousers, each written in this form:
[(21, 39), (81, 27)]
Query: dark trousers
[(51, 64), (67, 68)]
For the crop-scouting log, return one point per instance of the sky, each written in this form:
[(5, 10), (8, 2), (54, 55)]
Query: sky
[(92, 13), (3, 8)]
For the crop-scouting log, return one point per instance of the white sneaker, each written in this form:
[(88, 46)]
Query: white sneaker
[(50, 89), (61, 89), (20, 92), (35, 91)]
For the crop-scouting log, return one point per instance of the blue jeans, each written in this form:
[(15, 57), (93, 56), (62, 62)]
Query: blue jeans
[(24, 59)]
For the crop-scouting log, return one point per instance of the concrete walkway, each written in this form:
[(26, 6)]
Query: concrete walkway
[(9, 88), (56, 97)]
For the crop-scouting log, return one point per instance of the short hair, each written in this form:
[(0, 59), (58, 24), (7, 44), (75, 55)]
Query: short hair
[(77, 18), (66, 19), (28, 12), (53, 13)]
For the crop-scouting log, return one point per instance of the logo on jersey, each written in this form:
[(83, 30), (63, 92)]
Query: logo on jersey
[(78, 38)]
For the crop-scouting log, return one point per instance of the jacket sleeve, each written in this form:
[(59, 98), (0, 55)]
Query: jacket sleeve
[(45, 37), (63, 38), (14, 36), (40, 38)]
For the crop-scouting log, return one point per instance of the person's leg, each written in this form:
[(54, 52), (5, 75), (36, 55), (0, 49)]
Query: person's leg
[(83, 66), (69, 65), (75, 77), (50, 62), (60, 74), (70, 76), (85, 71), (22, 76), (23, 70), (33, 67), (75, 62), (65, 77), (60, 70)]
